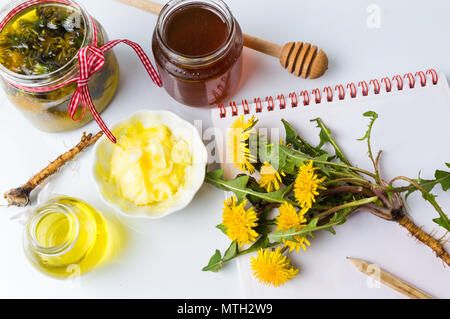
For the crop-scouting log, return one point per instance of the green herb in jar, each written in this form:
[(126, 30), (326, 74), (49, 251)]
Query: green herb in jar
[(41, 39), (38, 50)]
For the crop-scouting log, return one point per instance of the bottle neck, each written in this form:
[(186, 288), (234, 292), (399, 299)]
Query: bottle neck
[(45, 221)]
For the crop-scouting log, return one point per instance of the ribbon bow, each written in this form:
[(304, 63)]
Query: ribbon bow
[(91, 59)]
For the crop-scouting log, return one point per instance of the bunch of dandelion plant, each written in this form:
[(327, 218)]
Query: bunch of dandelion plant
[(307, 189)]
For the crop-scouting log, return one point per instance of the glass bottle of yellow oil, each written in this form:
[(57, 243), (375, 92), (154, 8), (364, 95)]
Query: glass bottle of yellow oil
[(65, 236)]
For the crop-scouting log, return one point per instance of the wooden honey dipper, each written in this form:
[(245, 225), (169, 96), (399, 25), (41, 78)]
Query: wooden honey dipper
[(301, 58)]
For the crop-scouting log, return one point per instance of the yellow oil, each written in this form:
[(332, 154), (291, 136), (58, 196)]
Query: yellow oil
[(66, 236)]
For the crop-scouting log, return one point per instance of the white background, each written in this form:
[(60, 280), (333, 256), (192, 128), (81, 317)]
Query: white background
[(163, 259)]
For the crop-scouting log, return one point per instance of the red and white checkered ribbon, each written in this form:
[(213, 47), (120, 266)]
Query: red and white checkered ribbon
[(90, 59)]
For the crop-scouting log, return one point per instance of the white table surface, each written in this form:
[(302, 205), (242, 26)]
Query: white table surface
[(163, 258)]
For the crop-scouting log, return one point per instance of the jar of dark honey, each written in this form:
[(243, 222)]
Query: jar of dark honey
[(197, 46)]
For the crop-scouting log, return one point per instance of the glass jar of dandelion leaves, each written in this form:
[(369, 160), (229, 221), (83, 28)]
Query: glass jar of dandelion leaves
[(39, 44)]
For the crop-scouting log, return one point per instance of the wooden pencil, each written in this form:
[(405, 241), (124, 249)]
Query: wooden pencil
[(390, 280)]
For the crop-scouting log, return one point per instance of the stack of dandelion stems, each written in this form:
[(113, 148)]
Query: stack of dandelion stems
[(309, 189)]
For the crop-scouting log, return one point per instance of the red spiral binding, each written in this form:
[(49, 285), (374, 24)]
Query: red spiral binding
[(305, 95), (270, 104), (258, 104), (388, 83), (399, 80), (329, 92), (245, 107), (434, 75), (234, 110), (352, 88), (423, 78), (412, 81), (293, 96), (341, 91), (376, 86), (282, 104), (317, 95), (222, 111), (365, 88)]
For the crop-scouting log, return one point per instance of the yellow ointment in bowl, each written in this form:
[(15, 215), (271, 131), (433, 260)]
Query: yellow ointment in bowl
[(155, 168)]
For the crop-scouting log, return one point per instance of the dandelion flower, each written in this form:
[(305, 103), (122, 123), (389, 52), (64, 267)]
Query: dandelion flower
[(229, 204), (289, 218), (272, 268), (238, 142), (307, 185), (239, 222), (270, 178)]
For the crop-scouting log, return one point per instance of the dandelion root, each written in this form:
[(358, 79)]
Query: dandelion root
[(423, 237), (21, 196)]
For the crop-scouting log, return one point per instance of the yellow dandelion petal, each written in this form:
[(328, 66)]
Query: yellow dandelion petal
[(239, 222), (238, 143), (270, 178), (307, 185), (301, 242), (228, 204), (289, 218), (272, 268)]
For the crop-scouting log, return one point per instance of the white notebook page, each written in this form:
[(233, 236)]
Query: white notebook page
[(414, 133)]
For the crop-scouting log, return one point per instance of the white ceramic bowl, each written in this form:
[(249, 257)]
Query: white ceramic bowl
[(180, 128)]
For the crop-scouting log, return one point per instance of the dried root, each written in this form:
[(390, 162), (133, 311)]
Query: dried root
[(397, 213), (423, 237), (21, 196), (445, 239)]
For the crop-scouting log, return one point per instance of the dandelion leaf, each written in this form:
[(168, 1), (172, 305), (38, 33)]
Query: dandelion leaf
[(294, 139), (231, 252), (222, 228), (261, 243), (373, 117), (215, 263), (443, 178), (326, 137), (239, 187)]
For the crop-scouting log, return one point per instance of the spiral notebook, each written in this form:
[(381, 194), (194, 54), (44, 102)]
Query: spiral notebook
[(414, 133)]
